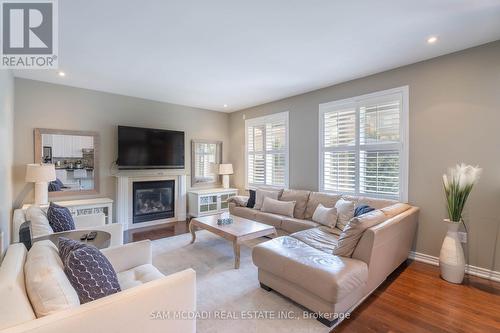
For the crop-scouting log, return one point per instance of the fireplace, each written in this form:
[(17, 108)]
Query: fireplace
[(153, 200)]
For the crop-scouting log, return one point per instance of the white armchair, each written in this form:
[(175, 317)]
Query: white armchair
[(132, 310), (84, 222)]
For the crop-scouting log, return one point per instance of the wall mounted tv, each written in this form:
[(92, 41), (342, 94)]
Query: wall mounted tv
[(147, 148)]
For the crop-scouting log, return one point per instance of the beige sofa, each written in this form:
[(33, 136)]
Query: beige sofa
[(300, 264), (43, 304)]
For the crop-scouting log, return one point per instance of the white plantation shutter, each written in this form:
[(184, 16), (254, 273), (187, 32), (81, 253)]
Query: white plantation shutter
[(267, 150), (363, 145)]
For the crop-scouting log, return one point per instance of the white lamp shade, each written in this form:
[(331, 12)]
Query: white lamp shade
[(225, 169), (40, 173)]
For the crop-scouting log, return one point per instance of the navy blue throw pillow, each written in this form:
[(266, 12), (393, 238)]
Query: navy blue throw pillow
[(251, 200), (60, 218), (54, 186), (90, 273), (66, 245), (363, 209)]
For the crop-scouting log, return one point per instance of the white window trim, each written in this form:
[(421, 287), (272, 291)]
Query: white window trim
[(404, 134), (260, 121)]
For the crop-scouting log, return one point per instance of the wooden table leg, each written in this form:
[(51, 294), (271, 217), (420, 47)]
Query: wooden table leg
[(193, 233), (236, 248)]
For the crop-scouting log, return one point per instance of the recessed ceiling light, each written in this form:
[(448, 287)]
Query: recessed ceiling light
[(432, 40), (225, 105), (61, 73)]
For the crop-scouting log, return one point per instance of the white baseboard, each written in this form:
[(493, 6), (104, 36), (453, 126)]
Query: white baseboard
[(469, 269)]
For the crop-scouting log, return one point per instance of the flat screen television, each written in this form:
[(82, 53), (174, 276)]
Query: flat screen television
[(147, 148)]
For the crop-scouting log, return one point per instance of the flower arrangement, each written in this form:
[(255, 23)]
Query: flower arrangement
[(457, 186)]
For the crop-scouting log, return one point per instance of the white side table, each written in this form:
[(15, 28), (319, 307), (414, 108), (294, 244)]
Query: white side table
[(87, 207), (211, 201)]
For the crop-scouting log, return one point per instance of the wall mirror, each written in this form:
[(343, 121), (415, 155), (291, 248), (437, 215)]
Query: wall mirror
[(75, 155), (205, 155)]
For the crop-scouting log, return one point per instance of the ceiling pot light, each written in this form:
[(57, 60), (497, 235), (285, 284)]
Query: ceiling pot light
[(62, 74), (432, 40), (225, 105)]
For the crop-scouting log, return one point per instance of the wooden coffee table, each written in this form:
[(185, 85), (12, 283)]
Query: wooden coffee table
[(240, 230)]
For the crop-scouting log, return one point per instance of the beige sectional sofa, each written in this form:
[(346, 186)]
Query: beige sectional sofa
[(300, 264)]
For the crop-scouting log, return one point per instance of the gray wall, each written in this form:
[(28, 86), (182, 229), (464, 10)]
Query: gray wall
[(454, 117), (45, 105), (6, 136)]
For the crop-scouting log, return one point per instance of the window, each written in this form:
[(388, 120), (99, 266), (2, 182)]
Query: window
[(364, 145), (267, 150)]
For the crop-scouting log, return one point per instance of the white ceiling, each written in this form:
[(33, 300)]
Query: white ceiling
[(247, 52)]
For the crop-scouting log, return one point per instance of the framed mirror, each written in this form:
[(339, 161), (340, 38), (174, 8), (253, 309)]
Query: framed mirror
[(205, 155), (75, 155)]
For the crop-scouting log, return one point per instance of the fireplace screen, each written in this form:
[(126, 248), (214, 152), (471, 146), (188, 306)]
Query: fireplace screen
[(153, 200)]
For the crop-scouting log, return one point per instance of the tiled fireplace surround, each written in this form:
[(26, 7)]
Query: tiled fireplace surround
[(125, 200)]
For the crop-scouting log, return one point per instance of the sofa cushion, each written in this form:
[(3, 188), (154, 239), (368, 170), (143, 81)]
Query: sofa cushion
[(39, 223), (247, 213), (353, 231), (48, 288), (315, 198), (345, 212), (327, 276), (91, 274), (325, 216), (261, 194), (300, 197), (372, 202), (284, 208), (320, 238), (268, 218), (60, 218), (291, 224), (138, 275), (396, 209)]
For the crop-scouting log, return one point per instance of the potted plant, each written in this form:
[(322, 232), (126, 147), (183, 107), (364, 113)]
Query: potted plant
[(458, 184)]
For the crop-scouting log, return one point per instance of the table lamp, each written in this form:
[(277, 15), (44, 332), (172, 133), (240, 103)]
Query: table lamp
[(41, 175), (225, 170)]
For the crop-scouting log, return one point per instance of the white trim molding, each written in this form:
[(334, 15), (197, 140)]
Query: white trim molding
[(469, 269)]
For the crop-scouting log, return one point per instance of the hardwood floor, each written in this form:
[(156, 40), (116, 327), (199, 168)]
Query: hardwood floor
[(413, 299), (155, 232), (416, 299)]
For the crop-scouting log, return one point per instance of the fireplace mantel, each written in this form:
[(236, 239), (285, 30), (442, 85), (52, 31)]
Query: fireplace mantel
[(124, 189)]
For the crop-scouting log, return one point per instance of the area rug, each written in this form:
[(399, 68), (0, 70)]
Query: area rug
[(231, 298)]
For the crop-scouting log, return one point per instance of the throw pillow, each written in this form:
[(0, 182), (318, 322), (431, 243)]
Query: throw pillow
[(66, 245), (261, 194), (363, 209), (251, 199), (60, 218), (48, 288), (345, 212), (300, 197), (39, 223), (353, 231), (90, 273), (54, 186), (325, 216), (278, 207)]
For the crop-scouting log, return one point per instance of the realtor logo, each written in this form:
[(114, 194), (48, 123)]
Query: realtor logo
[(29, 34)]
